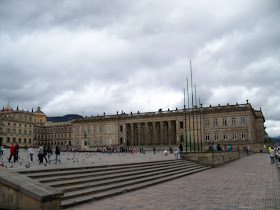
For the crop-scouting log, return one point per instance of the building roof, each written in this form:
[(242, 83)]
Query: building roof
[(39, 111), (8, 108)]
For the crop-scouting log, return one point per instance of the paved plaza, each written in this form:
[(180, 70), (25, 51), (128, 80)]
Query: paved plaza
[(248, 183), (78, 159)]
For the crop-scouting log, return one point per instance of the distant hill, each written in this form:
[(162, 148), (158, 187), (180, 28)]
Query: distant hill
[(64, 118), (276, 137)]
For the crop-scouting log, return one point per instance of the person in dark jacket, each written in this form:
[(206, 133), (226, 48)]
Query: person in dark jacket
[(16, 151), (57, 154)]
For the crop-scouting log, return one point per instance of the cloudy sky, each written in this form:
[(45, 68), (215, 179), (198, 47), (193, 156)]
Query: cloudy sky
[(88, 57)]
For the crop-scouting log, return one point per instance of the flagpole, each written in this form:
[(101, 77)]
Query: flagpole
[(185, 120), (189, 115), (192, 108)]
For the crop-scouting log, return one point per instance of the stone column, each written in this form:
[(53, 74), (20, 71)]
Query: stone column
[(139, 134), (132, 134), (154, 134), (146, 141), (124, 133), (161, 133), (169, 135)]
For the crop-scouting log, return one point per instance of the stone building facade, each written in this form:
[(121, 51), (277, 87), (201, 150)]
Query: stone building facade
[(53, 134), (16, 126), (230, 124)]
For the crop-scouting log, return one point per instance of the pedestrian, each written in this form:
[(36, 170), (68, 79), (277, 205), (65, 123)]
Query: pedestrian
[(12, 152), (210, 147), (214, 147), (1, 159), (131, 150), (41, 154), (49, 152), (181, 148), (219, 148), (45, 153), (177, 153), (31, 152), (2, 150), (57, 154), (272, 155), (154, 150), (16, 151)]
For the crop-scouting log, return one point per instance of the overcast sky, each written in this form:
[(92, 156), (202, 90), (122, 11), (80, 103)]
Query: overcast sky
[(88, 57)]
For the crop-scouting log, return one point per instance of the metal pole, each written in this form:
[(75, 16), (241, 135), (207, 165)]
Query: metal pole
[(198, 147), (185, 121), (192, 109), (189, 116), (200, 126)]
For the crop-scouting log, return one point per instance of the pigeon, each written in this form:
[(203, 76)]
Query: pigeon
[(20, 163), (45, 164), (11, 166), (27, 165)]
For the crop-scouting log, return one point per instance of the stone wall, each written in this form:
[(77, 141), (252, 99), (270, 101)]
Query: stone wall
[(20, 192), (213, 158)]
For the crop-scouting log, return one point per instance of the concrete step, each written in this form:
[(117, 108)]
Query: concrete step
[(111, 177), (115, 171), (34, 174), (84, 197), (82, 185)]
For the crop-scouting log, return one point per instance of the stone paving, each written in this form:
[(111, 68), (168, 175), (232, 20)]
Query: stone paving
[(78, 159), (248, 183)]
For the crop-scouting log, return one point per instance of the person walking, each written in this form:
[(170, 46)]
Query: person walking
[(16, 151), (12, 152), (154, 150), (31, 152), (272, 155), (57, 154), (49, 152), (41, 154)]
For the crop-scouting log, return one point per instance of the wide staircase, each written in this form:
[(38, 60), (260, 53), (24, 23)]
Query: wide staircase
[(85, 184)]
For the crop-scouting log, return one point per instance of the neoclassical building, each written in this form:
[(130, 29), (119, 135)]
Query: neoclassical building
[(16, 126), (236, 124)]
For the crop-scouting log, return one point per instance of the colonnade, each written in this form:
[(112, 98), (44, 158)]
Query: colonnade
[(150, 133)]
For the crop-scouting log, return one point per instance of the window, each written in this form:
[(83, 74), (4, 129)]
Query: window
[(94, 141), (234, 136), (14, 140), (25, 141), (242, 120), (206, 123), (224, 121), (19, 140), (121, 129), (77, 130), (24, 132), (8, 130), (0, 130), (100, 129), (233, 121), (25, 118), (101, 141), (121, 140), (14, 131), (19, 131), (181, 125), (35, 120), (29, 132), (94, 129), (225, 136), (30, 118), (216, 136), (207, 138), (40, 120), (8, 140), (215, 122), (29, 141), (243, 135), (89, 130), (20, 117)]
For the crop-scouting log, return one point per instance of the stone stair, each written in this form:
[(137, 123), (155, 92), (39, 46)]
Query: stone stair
[(85, 184)]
